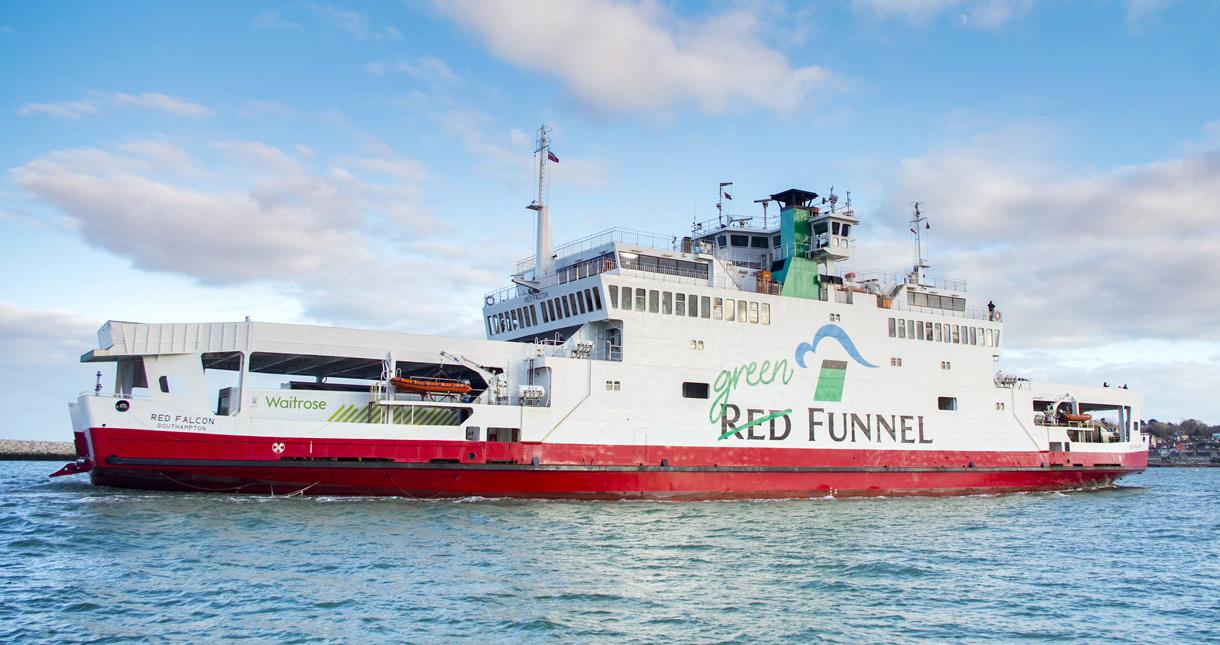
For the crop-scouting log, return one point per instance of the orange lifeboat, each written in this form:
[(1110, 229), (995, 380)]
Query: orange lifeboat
[(430, 385), (1077, 417)]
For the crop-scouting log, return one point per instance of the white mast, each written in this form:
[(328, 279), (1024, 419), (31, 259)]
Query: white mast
[(544, 250), (918, 219)]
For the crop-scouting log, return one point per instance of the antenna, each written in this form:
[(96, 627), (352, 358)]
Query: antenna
[(720, 202), (918, 218), (543, 248), (764, 203)]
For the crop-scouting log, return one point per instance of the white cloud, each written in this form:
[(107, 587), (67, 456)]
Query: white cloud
[(1139, 10), (63, 109), (428, 68), (162, 154), (327, 237), (161, 102), (357, 24), (262, 107), (40, 337), (272, 20), (1075, 258), (987, 14), (620, 57)]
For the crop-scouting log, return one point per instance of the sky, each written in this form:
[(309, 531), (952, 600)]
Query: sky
[(367, 165)]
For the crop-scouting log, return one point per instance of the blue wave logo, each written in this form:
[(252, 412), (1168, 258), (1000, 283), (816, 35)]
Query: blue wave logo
[(831, 331)]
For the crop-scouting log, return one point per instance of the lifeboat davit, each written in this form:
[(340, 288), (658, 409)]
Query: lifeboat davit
[(430, 385), (1077, 417)]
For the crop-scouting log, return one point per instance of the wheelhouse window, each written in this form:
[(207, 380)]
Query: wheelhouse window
[(946, 403), (739, 240), (614, 296)]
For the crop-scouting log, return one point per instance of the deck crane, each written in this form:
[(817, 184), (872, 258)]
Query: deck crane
[(497, 382)]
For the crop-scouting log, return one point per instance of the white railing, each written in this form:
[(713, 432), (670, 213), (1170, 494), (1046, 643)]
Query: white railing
[(894, 279), (623, 235)]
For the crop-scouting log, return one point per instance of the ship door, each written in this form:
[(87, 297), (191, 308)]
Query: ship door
[(640, 447)]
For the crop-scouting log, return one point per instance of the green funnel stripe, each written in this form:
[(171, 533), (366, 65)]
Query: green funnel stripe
[(830, 381)]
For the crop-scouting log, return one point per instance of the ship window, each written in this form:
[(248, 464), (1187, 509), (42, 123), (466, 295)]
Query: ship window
[(627, 298), (997, 338), (597, 297), (721, 241), (739, 240), (163, 383), (834, 228), (743, 311), (946, 403), (932, 300), (654, 301), (758, 242), (754, 312), (893, 329), (641, 300), (764, 313), (991, 338), (572, 301), (679, 304), (918, 330), (846, 229), (667, 302), (957, 334), (567, 311), (589, 299), (546, 315), (614, 296), (928, 330), (730, 309), (580, 302), (936, 328), (902, 328), (911, 329), (775, 241), (919, 299), (895, 361), (694, 390), (705, 306), (550, 308), (692, 305)]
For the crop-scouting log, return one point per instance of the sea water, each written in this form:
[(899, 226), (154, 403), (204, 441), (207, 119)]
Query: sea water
[(1139, 562)]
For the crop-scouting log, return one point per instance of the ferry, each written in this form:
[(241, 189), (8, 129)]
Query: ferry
[(739, 361)]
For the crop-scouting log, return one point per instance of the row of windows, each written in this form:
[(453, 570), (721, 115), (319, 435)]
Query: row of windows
[(586, 268), (690, 305), (938, 302), (565, 306), (746, 241), (944, 332), (667, 266)]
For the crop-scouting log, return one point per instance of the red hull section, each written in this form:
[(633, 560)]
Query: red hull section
[(266, 465)]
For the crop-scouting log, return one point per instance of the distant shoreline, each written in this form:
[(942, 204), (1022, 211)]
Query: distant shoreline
[(23, 450)]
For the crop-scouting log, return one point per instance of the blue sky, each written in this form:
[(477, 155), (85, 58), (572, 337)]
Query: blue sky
[(176, 162)]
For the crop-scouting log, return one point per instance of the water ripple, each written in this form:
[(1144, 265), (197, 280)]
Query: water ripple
[(1130, 563)]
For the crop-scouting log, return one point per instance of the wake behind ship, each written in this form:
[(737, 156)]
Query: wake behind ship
[(737, 361)]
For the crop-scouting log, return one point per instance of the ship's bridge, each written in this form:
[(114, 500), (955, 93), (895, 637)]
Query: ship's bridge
[(792, 254)]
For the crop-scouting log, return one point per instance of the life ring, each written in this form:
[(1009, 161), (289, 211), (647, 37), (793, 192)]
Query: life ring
[(490, 300)]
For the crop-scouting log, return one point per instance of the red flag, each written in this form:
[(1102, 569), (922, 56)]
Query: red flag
[(551, 156), (728, 196)]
